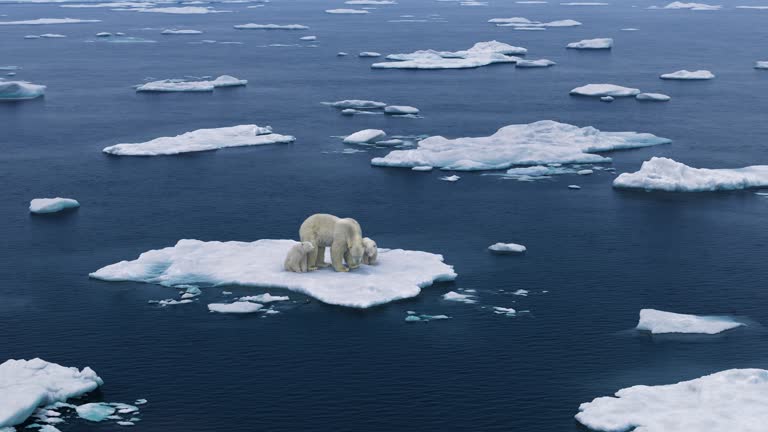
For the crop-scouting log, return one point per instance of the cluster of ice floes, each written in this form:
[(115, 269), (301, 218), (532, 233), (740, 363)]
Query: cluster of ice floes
[(398, 273), (20, 90), (470, 297), (520, 23), (607, 93), (665, 174), (538, 143), (46, 21), (252, 26), (592, 44), (659, 322), (689, 6), (507, 248), (52, 205), (202, 140), (734, 400), (355, 106), (688, 75), (481, 54), (423, 318), (180, 85)]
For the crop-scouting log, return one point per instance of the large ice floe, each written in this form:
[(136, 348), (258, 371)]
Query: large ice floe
[(252, 26), (600, 90), (20, 90), (177, 85), (688, 75), (520, 23), (202, 140), (542, 142), (398, 274), (45, 21), (664, 174), (689, 6), (481, 54), (592, 44), (733, 400), (28, 384), (52, 205), (659, 322)]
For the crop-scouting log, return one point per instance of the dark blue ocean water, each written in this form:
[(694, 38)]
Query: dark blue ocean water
[(601, 254)]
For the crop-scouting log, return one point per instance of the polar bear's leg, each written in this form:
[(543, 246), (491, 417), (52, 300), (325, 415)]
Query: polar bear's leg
[(348, 260), (337, 258), (312, 259), (320, 261)]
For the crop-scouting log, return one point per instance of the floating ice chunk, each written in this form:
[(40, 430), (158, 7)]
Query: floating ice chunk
[(27, 384), (400, 109), (536, 172), (452, 178), (657, 322), (252, 26), (181, 32), (424, 168), (176, 86), (584, 4), (357, 104), (536, 143), (52, 36), (584, 172), (520, 23), (95, 412), (186, 10), (413, 317), (733, 400), (51, 205), (574, 187), (170, 302), (507, 248), (607, 98), (369, 54), (351, 112), (458, 297), (44, 21), (265, 298), (108, 5), (398, 274), (504, 311), (9, 68), (191, 292), (238, 307), (690, 6), (104, 34), (588, 44), (126, 423), (668, 175), (140, 401), (521, 292), (688, 75), (600, 90), (341, 54), (542, 63), (346, 11), (228, 81), (656, 97), (370, 2), (761, 65), (20, 90), (629, 29), (202, 140), (308, 38), (367, 136), (753, 7), (481, 54)]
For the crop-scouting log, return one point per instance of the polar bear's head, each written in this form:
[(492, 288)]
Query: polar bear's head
[(356, 251), (307, 246)]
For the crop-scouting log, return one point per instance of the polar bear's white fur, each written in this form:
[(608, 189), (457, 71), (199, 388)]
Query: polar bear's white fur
[(297, 260), (371, 251), (343, 236)]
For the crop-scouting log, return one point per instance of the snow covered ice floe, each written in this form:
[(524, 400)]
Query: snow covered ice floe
[(95, 412), (52, 205), (27, 384), (655, 97), (689, 6), (761, 65), (400, 110), (451, 178), (414, 317), (46, 21), (590, 44), (367, 136), (202, 140), (733, 400), (346, 11), (264, 298), (459, 297), (666, 174), (542, 63), (369, 54), (356, 104), (175, 85), (504, 248), (688, 75), (510, 312), (238, 307), (184, 10), (20, 90), (181, 32), (658, 322), (542, 142), (599, 90), (520, 23), (398, 274), (481, 54), (252, 26)]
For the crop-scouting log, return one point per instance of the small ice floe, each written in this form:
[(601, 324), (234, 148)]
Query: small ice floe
[(264, 298), (238, 307), (370, 2), (398, 274), (584, 4), (356, 104), (574, 187), (185, 10), (369, 54), (252, 26), (607, 99), (664, 174), (46, 21), (351, 112), (202, 140), (9, 68), (104, 34), (31, 37), (346, 11), (190, 291), (541, 63), (753, 7), (599, 90), (181, 32), (481, 54), (761, 65), (498, 310), (451, 178), (140, 402), (400, 110), (52, 205), (459, 297), (506, 248), (414, 317), (226, 293), (629, 29), (536, 172), (592, 44), (732, 400), (28, 384), (52, 36), (521, 292), (170, 302), (658, 322), (689, 6), (519, 23), (341, 54), (95, 412), (688, 75), (308, 38), (20, 90), (422, 168), (540, 143), (175, 85), (584, 172), (654, 97), (367, 136)]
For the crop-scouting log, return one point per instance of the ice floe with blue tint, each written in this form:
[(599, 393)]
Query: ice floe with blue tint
[(20, 90), (664, 174), (659, 322), (52, 205)]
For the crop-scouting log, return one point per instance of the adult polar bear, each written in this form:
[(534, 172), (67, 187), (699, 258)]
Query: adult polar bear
[(343, 236)]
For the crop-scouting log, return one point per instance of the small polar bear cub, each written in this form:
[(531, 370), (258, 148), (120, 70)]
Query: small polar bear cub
[(371, 252), (297, 260)]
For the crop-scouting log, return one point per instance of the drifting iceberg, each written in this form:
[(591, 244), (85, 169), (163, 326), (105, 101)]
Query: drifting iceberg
[(665, 174), (599, 90), (238, 307), (51, 205), (507, 248), (733, 400), (27, 384), (398, 273), (658, 322), (542, 63), (346, 11), (481, 54), (20, 90), (589, 44), (202, 140), (688, 75), (367, 136), (252, 26), (656, 97), (44, 21), (542, 142)]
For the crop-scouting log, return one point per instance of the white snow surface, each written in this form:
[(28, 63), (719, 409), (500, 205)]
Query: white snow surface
[(688, 75), (356, 104), (20, 90), (51, 205), (658, 322), (398, 273), (690, 6), (366, 136), (202, 140), (600, 90), (761, 65), (507, 248), (400, 109), (238, 307), (481, 54), (181, 32), (27, 384), (733, 400), (656, 97), (664, 174), (520, 23), (600, 43), (537, 143)]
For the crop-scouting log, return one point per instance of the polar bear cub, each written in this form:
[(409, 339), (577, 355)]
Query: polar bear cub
[(297, 260), (370, 251), (343, 236)]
